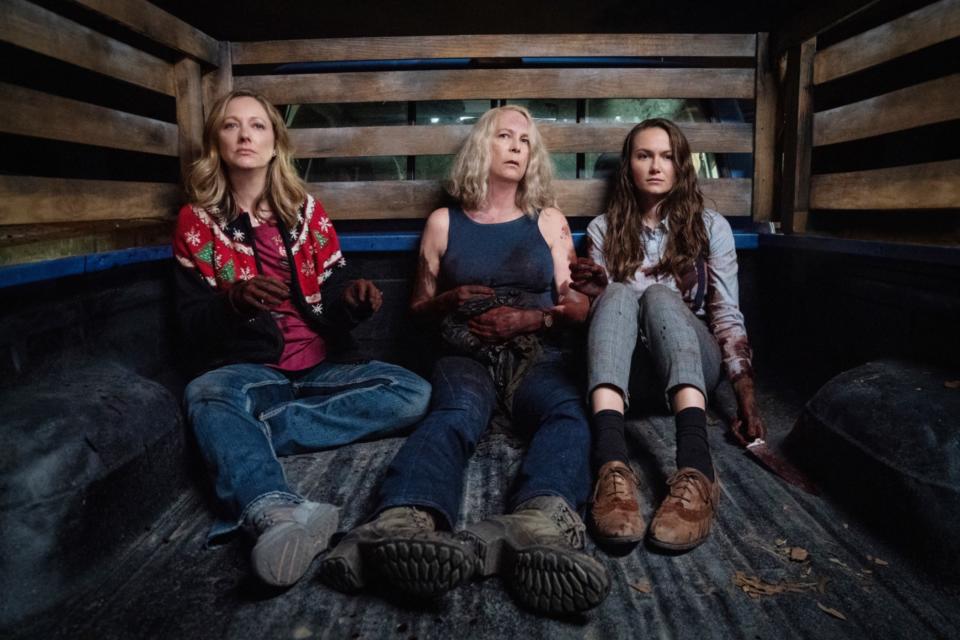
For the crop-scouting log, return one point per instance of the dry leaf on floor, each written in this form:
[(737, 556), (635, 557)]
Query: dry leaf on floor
[(833, 612), (952, 384), (755, 587), (882, 563), (798, 554), (642, 587)]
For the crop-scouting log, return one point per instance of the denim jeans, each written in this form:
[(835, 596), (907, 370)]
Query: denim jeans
[(647, 348), (428, 470), (245, 415)]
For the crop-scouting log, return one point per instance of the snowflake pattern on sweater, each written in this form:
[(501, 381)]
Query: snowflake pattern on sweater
[(222, 253)]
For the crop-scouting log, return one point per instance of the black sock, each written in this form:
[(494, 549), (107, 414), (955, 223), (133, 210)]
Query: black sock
[(693, 450), (609, 441)]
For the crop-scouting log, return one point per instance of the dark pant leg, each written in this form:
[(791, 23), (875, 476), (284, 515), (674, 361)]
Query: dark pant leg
[(428, 470), (557, 463)]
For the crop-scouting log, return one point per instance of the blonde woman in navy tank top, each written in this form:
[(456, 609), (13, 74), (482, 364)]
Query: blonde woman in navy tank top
[(495, 270)]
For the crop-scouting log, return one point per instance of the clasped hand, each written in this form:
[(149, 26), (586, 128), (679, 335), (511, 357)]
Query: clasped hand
[(265, 293)]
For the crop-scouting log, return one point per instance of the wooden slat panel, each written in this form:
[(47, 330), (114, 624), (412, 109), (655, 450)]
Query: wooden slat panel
[(20, 244), (416, 198), (798, 135), (494, 46), (218, 82), (189, 112), (26, 25), (935, 185), (501, 83), (30, 200), (809, 20), (33, 113), (925, 103), (158, 25), (765, 132), (930, 25), (446, 139)]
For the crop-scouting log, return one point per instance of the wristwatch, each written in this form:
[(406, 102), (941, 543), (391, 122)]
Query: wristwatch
[(547, 319)]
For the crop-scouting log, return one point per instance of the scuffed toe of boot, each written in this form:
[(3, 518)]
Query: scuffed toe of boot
[(291, 537), (424, 565), (686, 516), (342, 568), (616, 506)]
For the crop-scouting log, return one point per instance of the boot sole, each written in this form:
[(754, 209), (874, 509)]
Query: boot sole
[(423, 567), (343, 570), (549, 579), (283, 554)]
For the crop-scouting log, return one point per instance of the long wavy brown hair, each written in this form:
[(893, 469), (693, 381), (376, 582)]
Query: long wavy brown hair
[(208, 185), (682, 208)]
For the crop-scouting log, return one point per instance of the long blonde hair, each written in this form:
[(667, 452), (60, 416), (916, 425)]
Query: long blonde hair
[(471, 167), (683, 209), (208, 185)]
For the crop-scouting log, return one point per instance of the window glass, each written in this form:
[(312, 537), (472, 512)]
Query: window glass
[(451, 111), (353, 169), (347, 114)]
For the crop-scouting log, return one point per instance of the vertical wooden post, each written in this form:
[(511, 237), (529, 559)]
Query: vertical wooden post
[(798, 137), (218, 82), (187, 82), (764, 132)]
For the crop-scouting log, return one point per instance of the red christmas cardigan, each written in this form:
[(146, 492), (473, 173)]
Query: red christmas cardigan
[(223, 253)]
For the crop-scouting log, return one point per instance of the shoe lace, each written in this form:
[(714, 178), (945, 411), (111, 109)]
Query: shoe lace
[(616, 484), (685, 486)]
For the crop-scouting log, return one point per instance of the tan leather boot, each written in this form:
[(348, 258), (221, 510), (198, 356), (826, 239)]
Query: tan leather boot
[(616, 505), (683, 520)]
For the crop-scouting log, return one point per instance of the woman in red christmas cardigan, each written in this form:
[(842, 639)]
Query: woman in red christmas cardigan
[(263, 303)]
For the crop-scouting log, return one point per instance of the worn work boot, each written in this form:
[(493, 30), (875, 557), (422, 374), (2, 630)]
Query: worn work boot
[(683, 520), (537, 550), (289, 537), (344, 568), (616, 506)]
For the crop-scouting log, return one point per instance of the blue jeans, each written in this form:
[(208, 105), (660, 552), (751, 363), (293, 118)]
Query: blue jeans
[(647, 348), (245, 415), (428, 470)]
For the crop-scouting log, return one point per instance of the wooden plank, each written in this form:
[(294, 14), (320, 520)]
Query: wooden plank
[(764, 133), (811, 19), (33, 113), (467, 84), (924, 27), (189, 112), (31, 200), (922, 104), (29, 26), (218, 82), (495, 46), (402, 199), (798, 135), (153, 22), (348, 142), (20, 244), (934, 185)]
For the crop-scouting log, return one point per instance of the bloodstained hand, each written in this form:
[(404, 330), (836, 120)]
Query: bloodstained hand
[(363, 297), (748, 426), (502, 323), (588, 277), (453, 298)]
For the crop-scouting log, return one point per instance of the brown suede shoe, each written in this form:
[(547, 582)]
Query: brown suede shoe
[(683, 520), (616, 506)]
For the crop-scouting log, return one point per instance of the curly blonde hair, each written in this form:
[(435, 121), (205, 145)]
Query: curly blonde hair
[(471, 167), (208, 185)]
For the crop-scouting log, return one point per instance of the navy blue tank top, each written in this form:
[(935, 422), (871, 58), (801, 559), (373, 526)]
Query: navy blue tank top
[(503, 255)]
